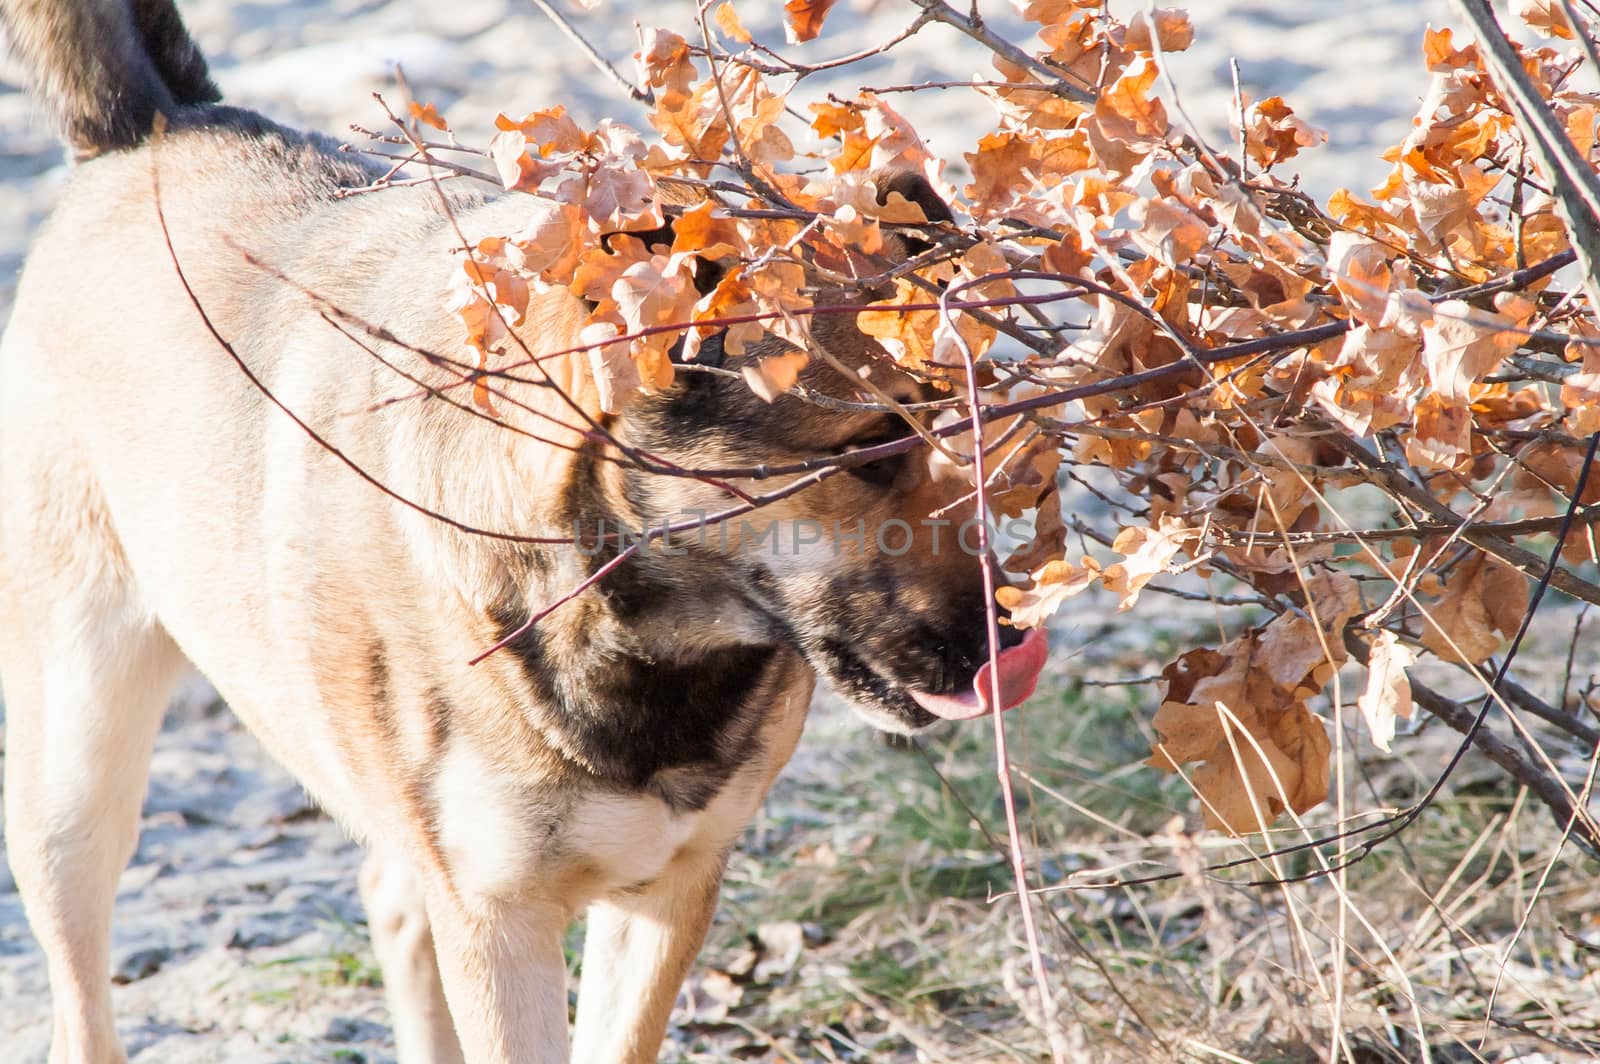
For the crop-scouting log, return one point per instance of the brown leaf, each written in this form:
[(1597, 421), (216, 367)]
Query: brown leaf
[(1462, 345), (803, 19), (1273, 133), (1168, 230), (1052, 585), (1173, 30), (1481, 598), (1359, 267), (1149, 554), (1545, 16), (770, 377), (616, 378), (1441, 436), (727, 20), (428, 114), (664, 63)]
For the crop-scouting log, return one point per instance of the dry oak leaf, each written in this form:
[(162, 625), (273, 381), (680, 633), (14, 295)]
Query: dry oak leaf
[(727, 20), (657, 291), (760, 137), (664, 63), (1481, 598), (1244, 793), (1131, 98), (1580, 393), (1441, 54), (1050, 12), (1167, 230), (1298, 652), (1388, 691), (908, 335), (732, 298), (1205, 702), (428, 114), (1545, 16), (1462, 345), (616, 378), (1052, 584), (1360, 270), (1441, 434), (1149, 553), (1273, 133), (541, 144), (1004, 161), (803, 19), (833, 118), (1173, 30), (773, 375), (1049, 535)]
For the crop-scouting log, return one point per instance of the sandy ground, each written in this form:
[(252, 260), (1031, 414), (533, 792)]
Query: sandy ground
[(236, 923)]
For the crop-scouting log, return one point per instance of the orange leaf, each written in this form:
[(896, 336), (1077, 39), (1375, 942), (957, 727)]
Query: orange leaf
[(727, 20), (429, 115), (770, 377), (804, 19), (1174, 31)]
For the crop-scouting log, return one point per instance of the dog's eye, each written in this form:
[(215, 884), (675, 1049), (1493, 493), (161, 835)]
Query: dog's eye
[(882, 472)]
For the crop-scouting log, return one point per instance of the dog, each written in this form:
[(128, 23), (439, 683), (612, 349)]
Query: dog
[(183, 480)]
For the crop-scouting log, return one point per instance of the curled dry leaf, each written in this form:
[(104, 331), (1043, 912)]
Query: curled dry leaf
[(1274, 133), (1462, 345), (773, 375), (728, 24), (1173, 30), (1482, 606), (1545, 16), (428, 115), (1257, 754), (1388, 691), (1149, 554), (1052, 584), (616, 378), (803, 19)]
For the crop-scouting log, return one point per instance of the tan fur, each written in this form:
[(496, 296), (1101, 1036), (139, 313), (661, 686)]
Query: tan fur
[(157, 505)]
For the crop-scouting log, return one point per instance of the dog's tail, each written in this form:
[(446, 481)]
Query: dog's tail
[(106, 67)]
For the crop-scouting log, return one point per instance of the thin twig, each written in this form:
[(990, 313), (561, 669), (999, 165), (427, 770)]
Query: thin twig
[(601, 63)]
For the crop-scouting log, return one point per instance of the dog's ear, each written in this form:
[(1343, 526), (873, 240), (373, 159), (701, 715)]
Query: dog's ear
[(916, 188)]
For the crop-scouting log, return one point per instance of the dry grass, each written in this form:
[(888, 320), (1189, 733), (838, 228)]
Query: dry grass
[(867, 918)]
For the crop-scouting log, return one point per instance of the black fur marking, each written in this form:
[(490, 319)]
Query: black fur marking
[(710, 353), (175, 55), (853, 678), (629, 719), (107, 67), (439, 711), (380, 690)]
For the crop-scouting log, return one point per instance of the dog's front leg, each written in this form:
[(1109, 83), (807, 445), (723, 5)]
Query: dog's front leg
[(637, 949), (504, 977)]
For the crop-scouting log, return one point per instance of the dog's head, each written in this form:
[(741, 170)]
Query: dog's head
[(873, 573)]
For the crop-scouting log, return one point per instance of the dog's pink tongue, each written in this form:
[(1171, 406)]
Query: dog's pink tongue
[(1020, 667)]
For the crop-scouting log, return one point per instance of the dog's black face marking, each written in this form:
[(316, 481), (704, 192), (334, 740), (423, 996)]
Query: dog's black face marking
[(875, 626)]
